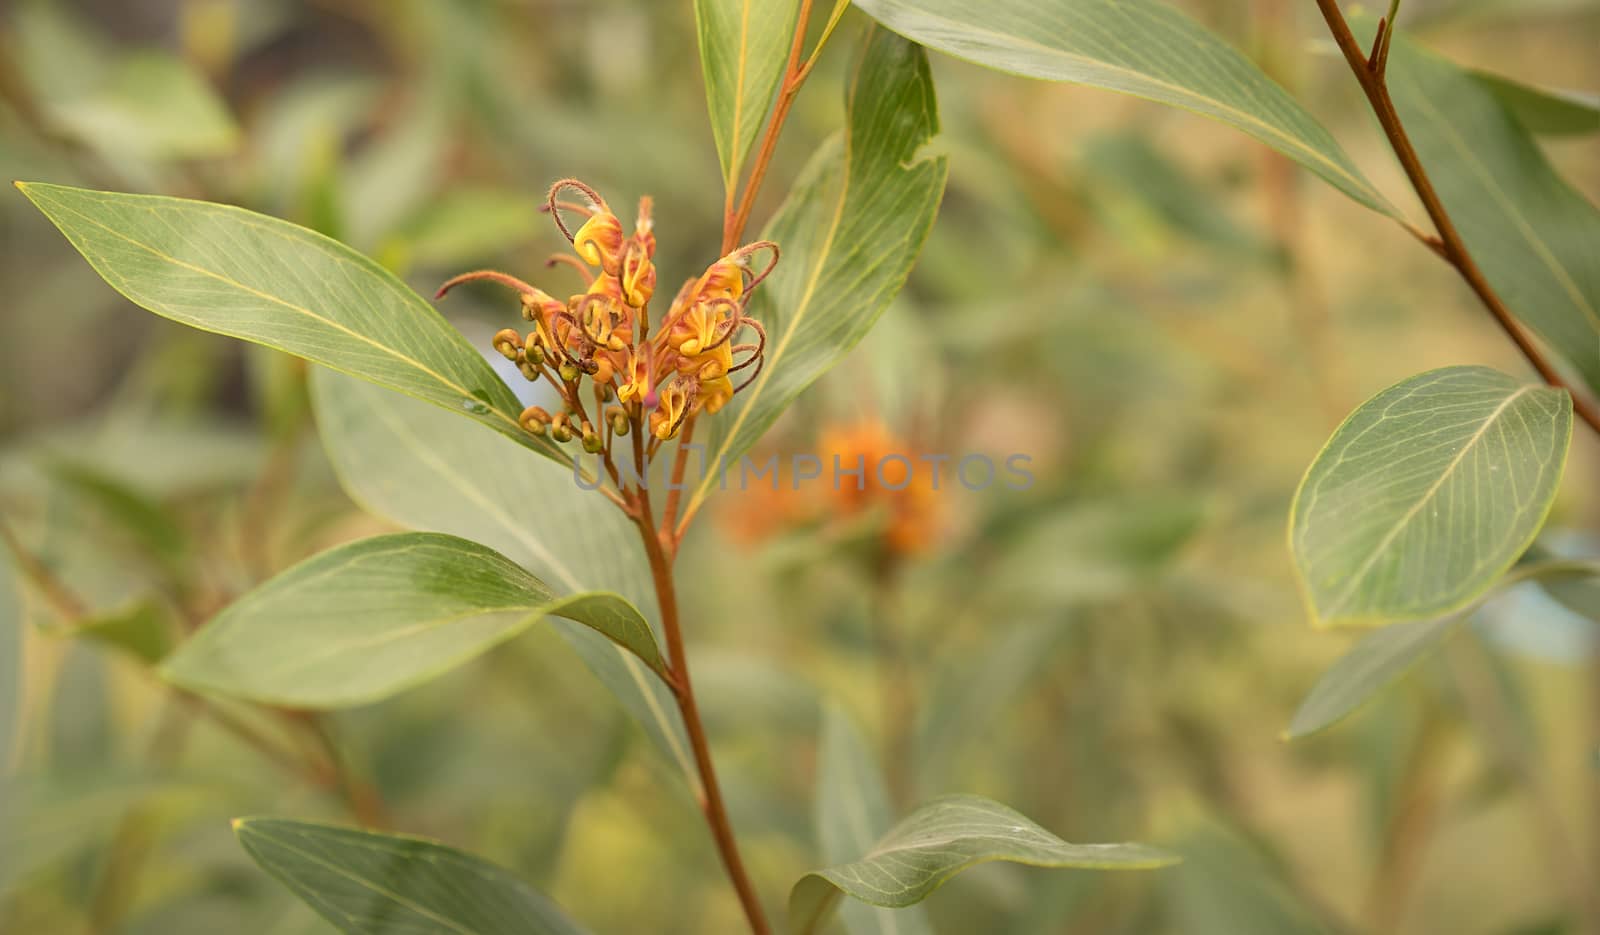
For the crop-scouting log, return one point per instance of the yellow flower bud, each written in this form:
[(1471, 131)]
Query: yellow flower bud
[(509, 343)]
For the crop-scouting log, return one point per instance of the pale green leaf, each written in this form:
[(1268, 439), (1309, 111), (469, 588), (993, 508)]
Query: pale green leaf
[(1545, 111), (744, 45), (386, 884), (1536, 238), (423, 468), (362, 621), (939, 840), (141, 628), (1374, 664), (150, 106), (1426, 494), (851, 813), (1139, 47), (234, 272), (850, 232), (1381, 658)]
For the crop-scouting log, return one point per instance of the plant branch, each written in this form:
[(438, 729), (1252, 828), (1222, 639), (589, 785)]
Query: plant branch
[(794, 75), (1369, 72), (675, 487), (711, 803)]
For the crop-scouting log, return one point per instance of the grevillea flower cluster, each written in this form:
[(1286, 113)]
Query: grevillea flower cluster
[(614, 371)]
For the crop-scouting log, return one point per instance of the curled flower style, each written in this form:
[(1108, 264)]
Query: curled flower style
[(615, 370)]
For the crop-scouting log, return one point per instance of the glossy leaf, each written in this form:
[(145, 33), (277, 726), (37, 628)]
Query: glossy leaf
[(744, 45), (1374, 664), (425, 469), (1139, 47), (386, 884), (360, 622), (1536, 238), (1426, 494), (850, 231), (851, 813), (234, 272), (941, 839)]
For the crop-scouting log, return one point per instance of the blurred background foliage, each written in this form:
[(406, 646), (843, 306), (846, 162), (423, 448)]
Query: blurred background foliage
[(1165, 317)]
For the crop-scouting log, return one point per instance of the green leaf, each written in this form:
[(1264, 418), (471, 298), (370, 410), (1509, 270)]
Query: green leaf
[(1138, 47), (744, 45), (850, 231), (1375, 663), (1535, 237), (142, 629), (851, 814), (941, 839), (234, 272), (1545, 111), (1426, 494), (150, 106), (423, 468), (387, 884), (465, 225), (360, 622)]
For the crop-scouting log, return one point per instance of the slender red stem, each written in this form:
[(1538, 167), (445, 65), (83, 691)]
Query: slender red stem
[(1370, 73), (711, 802), (736, 217)]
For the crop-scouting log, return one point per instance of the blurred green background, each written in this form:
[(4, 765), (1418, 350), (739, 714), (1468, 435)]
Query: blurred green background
[(1167, 318)]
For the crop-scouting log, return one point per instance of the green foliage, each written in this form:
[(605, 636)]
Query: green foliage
[(365, 620), (1529, 230), (850, 232), (939, 840), (1426, 495), (1139, 47), (850, 814), (1545, 111), (422, 468), (743, 47), (1375, 663), (1150, 308), (379, 884), (249, 276)]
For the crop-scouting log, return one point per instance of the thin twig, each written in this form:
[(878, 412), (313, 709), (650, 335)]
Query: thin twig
[(794, 75), (1370, 74), (711, 802)]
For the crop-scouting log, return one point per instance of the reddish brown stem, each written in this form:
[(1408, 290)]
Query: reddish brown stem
[(794, 75), (1370, 74), (711, 803)]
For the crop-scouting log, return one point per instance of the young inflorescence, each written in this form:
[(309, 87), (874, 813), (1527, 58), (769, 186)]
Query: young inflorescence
[(598, 347)]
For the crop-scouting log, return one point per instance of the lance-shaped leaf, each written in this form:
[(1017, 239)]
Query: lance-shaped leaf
[(362, 621), (223, 269), (1536, 238), (1545, 111), (744, 45), (1139, 47), (1374, 664), (850, 233), (1381, 658), (387, 884), (1426, 494), (941, 839), (851, 813), (423, 468)]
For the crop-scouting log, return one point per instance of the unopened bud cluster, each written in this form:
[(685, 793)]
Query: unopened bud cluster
[(597, 348)]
